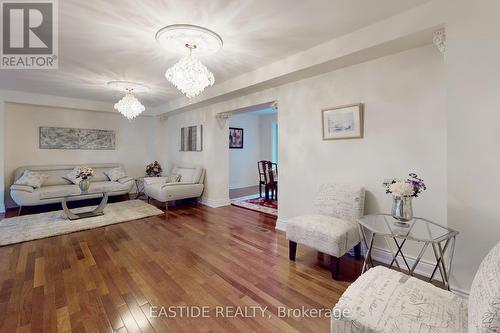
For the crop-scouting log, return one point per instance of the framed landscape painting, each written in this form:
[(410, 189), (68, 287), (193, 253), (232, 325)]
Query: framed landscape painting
[(235, 138), (343, 122)]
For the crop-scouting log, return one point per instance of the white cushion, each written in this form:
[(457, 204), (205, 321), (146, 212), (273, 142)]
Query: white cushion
[(484, 298), (185, 173), (57, 191), (155, 180), (383, 300), (174, 178), (324, 233), (173, 191), (115, 174), (347, 202), (23, 188), (188, 175), (32, 178), (72, 176)]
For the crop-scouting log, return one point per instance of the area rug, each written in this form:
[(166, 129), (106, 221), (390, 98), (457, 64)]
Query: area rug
[(29, 227), (253, 202)]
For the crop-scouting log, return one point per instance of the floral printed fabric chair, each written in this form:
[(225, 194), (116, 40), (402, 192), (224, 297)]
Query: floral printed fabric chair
[(334, 229), (384, 300)]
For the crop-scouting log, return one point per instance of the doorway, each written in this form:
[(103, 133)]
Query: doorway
[(253, 139)]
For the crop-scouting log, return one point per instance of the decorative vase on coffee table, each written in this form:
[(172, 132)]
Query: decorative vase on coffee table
[(84, 185), (402, 210)]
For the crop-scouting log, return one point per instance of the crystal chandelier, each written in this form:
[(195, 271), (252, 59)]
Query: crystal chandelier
[(129, 106), (189, 75)]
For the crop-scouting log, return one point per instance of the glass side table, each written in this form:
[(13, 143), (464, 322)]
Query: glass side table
[(440, 238)]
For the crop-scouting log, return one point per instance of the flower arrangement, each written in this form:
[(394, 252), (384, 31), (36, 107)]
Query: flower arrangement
[(84, 173), (154, 169), (410, 187)]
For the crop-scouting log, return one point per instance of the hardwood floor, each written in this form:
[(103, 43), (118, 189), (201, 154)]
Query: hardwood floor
[(107, 279), (242, 192)]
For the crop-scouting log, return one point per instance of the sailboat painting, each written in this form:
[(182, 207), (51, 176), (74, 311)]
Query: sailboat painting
[(343, 122)]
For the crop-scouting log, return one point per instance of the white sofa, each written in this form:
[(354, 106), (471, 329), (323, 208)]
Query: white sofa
[(384, 300), (55, 187), (191, 184)]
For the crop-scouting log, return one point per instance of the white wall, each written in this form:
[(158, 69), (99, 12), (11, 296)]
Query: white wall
[(2, 151), (266, 123), (214, 157), (243, 162), (405, 130), (257, 146), (473, 85), (134, 139)]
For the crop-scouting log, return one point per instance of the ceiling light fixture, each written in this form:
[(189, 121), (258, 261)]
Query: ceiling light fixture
[(128, 106), (189, 75)]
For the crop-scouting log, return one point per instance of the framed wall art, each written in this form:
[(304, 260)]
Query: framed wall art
[(192, 138), (343, 122), (235, 138)]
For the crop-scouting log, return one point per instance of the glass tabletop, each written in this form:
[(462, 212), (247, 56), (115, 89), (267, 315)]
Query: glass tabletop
[(418, 228), (76, 192)]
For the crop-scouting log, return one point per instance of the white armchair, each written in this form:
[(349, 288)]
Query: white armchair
[(334, 229), (191, 185)]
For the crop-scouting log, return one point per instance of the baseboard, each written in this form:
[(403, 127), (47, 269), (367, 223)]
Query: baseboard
[(214, 203), (281, 224), (424, 267)]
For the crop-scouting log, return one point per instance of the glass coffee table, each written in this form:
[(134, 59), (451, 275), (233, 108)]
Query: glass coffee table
[(99, 210), (440, 238)]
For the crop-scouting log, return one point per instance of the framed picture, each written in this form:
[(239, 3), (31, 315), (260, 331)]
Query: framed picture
[(343, 122), (192, 138), (235, 138)]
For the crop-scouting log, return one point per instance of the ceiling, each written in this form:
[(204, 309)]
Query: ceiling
[(104, 40)]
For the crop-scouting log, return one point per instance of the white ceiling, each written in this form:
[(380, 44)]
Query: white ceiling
[(103, 40)]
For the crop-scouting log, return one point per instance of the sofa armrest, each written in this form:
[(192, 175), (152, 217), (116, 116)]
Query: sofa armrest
[(125, 180), (177, 184), (22, 188), (155, 180)]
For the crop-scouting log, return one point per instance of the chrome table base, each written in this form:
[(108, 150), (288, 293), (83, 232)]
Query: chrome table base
[(76, 216), (439, 251)]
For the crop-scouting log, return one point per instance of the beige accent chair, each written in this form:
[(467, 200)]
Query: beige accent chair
[(384, 300), (191, 185), (334, 229), (56, 187)]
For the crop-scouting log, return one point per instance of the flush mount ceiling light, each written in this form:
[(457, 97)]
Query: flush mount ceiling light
[(189, 75), (129, 106)]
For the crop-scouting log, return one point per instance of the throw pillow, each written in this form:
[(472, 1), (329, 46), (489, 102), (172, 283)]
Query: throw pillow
[(71, 176), (115, 174), (32, 178), (174, 179)]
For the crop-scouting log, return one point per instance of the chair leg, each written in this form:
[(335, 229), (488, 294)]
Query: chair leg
[(292, 251), (260, 190), (335, 267), (357, 252)]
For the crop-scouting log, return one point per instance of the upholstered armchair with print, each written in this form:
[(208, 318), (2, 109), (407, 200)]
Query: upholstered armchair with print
[(384, 300), (334, 228)]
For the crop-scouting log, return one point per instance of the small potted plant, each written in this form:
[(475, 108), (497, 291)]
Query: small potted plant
[(154, 169), (85, 174), (402, 193)]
